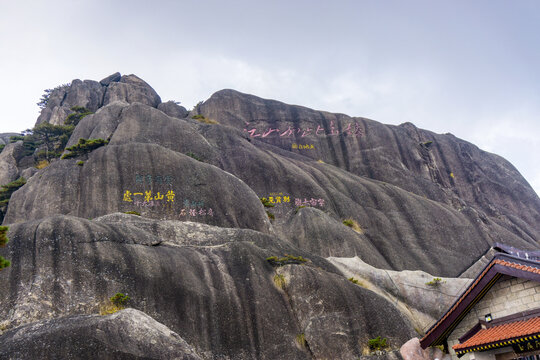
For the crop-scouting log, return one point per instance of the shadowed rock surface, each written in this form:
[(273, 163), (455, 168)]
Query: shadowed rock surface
[(391, 206), (219, 297), (440, 167), (128, 334)]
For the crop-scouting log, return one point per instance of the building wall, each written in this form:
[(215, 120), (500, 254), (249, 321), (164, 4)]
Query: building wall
[(491, 354), (506, 297)]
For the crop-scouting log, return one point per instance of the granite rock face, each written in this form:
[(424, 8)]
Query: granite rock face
[(9, 157), (92, 95), (131, 89), (415, 293), (392, 207), (220, 168), (442, 168), (210, 285), (173, 109), (127, 334)]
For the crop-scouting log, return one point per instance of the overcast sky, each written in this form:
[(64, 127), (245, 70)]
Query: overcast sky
[(471, 68)]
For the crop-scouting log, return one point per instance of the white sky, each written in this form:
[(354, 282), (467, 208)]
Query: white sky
[(471, 68)]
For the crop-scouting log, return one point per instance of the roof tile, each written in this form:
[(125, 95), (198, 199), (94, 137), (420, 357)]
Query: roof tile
[(506, 331), (477, 280)]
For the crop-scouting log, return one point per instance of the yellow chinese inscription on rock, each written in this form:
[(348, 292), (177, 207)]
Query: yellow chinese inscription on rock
[(147, 195), (127, 196)]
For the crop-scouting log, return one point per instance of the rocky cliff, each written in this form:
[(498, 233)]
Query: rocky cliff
[(368, 214)]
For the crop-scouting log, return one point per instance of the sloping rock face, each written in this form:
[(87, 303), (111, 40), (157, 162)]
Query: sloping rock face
[(440, 167), (151, 154), (217, 292), (416, 204), (414, 293), (128, 334)]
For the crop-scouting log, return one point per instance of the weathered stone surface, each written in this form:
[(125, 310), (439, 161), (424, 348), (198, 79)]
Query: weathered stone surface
[(4, 137), (447, 170), (29, 172), (99, 188), (44, 115), (100, 125), (220, 298), (111, 78), (87, 93), (173, 109), (390, 355), (8, 162), (58, 115), (438, 238), (411, 350), (409, 291), (479, 265), (338, 317), (127, 334), (433, 206), (131, 89)]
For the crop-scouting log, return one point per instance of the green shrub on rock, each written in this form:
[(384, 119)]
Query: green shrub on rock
[(288, 259), (3, 235), (435, 282), (78, 115), (3, 241), (4, 263), (120, 299), (378, 344), (117, 302), (10, 188), (5, 194), (266, 202), (84, 146)]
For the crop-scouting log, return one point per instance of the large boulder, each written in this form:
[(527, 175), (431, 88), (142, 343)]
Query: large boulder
[(127, 334), (412, 350), (93, 95), (87, 93), (172, 109), (131, 89), (9, 158), (179, 225), (99, 125), (110, 79)]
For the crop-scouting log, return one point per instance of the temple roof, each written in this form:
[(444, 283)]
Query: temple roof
[(501, 264), (501, 335)]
